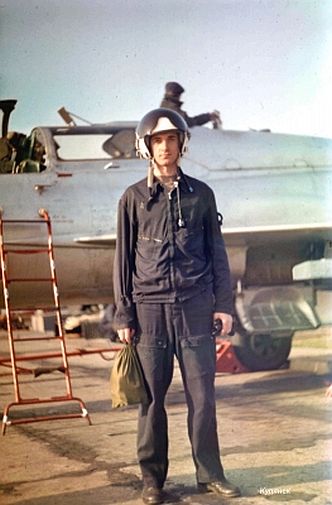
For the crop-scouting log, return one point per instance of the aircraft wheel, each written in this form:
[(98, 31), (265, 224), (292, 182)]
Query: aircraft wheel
[(262, 351)]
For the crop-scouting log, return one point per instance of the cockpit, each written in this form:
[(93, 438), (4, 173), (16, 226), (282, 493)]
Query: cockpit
[(46, 146), (95, 145)]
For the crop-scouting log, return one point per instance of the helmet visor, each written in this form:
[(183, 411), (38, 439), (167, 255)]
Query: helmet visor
[(172, 121)]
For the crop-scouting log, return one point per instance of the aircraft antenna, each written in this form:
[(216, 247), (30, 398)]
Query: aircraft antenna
[(68, 116)]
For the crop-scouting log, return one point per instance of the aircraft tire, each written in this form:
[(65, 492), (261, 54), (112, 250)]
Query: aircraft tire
[(262, 351)]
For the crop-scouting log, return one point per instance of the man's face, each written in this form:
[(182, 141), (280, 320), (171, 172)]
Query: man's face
[(165, 148)]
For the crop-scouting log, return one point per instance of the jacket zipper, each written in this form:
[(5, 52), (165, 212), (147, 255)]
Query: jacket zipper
[(170, 225)]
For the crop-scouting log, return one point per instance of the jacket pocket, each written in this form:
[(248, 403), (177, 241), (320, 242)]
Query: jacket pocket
[(148, 247), (191, 242)]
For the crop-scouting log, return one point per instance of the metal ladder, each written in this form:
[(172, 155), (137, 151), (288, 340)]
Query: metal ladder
[(14, 340)]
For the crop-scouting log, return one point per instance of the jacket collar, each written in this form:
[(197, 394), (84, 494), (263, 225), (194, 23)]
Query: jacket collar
[(184, 182), (173, 99), (181, 178)]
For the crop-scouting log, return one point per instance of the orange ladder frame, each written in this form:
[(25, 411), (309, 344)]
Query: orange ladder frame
[(4, 252)]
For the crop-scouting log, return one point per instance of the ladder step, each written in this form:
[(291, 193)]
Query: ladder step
[(41, 356), (26, 251), (46, 370), (52, 308), (34, 339), (35, 279), (51, 399), (25, 221)]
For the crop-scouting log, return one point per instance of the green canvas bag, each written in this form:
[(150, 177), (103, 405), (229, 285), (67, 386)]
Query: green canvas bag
[(127, 382)]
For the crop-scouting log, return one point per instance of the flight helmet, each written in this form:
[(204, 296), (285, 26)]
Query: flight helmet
[(159, 121)]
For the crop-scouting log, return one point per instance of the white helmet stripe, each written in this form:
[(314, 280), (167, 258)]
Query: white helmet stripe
[(163, 124)]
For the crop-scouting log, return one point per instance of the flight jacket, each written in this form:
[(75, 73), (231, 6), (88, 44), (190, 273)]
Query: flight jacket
[(174, 103), (169, 248)]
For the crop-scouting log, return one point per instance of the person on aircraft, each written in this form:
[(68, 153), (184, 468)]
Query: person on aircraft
[(172, 100), (11, 150), (171, 285)]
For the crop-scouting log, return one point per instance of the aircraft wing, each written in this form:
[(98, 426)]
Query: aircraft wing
[(265, 233), (101, 240), (236, 232)]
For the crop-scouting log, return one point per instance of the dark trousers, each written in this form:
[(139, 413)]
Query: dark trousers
[(181, 329)]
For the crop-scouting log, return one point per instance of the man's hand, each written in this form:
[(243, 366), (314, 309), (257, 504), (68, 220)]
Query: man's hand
[(126, 335), (216, 119), (226, 321), (215, 115)]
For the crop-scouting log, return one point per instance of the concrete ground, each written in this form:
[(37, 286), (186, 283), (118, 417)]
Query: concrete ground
[(275, 433)]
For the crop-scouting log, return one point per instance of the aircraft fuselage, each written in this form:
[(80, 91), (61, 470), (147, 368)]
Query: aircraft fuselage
[(274, 192)]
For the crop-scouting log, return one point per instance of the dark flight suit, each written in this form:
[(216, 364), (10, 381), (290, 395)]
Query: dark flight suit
[(170, 274)]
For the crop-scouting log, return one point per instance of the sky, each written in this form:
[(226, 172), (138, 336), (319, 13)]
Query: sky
[(261, 63)]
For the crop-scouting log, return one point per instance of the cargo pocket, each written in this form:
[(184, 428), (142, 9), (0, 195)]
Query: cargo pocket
[(198, 355), (151, 340), (151, 352)]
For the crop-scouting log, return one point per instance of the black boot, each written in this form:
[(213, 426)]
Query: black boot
[(221, 487), (152, 495)]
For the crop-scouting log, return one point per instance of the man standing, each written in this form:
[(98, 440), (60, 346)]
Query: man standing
[(172, 100), (171, 281)]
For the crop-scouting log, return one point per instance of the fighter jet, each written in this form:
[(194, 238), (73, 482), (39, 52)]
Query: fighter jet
[(273, 190)]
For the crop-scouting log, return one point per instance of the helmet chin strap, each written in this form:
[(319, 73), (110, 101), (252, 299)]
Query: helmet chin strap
[(150, 173)]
